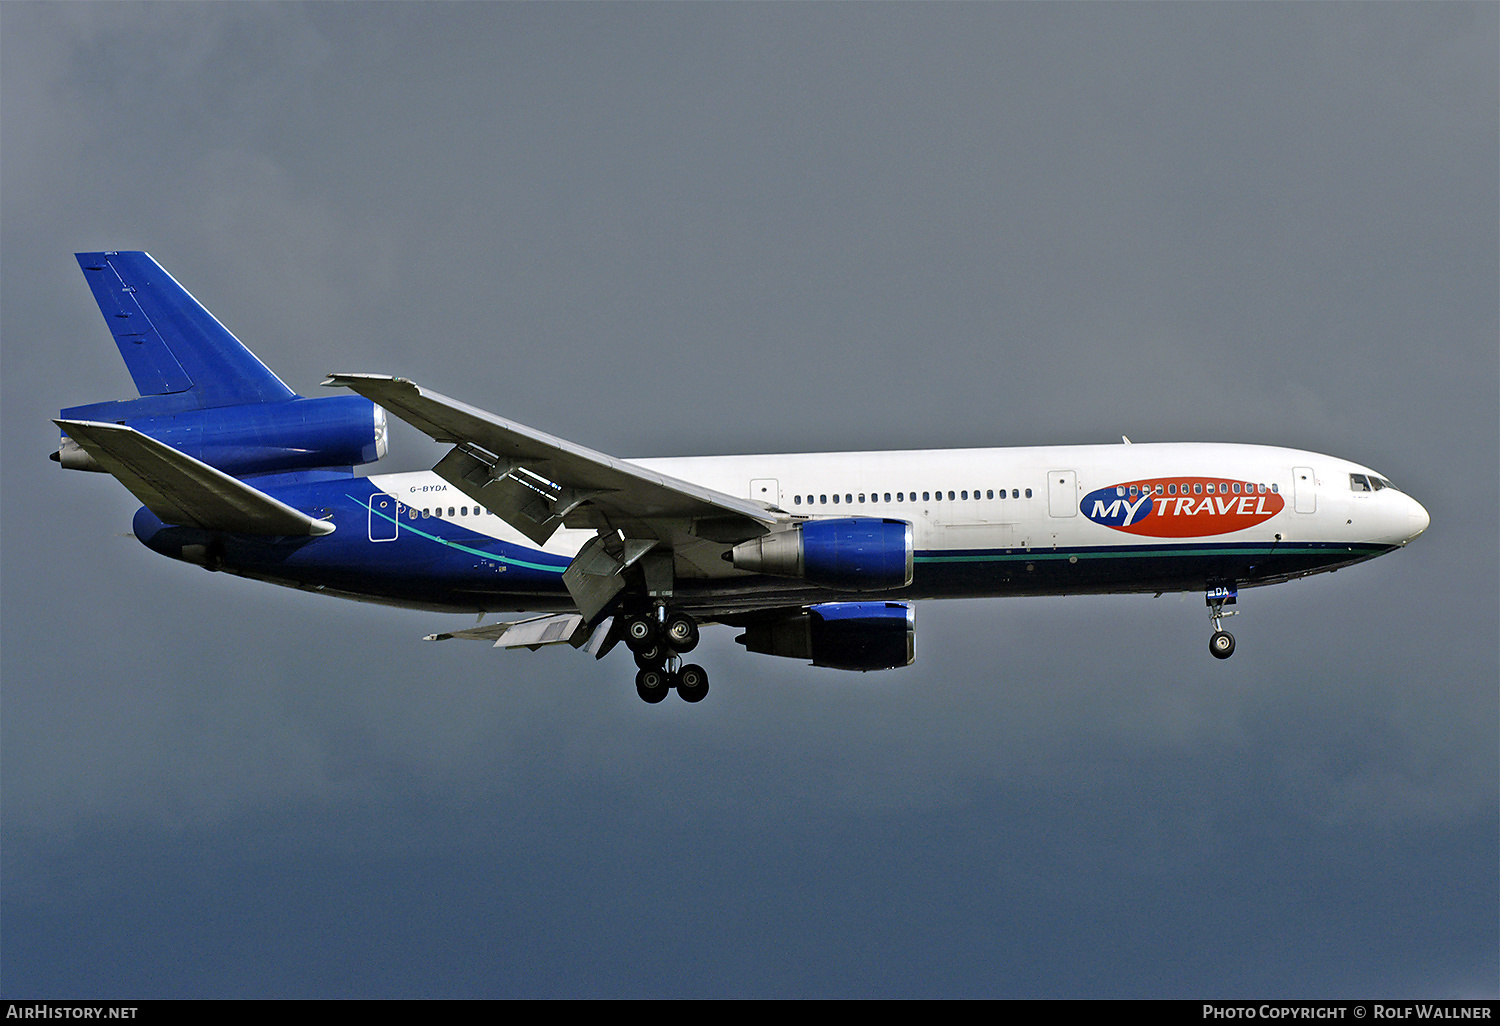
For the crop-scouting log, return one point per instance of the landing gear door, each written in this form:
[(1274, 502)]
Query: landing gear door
[(385, 519), (1062, 493)]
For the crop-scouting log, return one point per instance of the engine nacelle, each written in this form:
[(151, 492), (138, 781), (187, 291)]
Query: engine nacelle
[(848, 554), (841, 635), (253, 438)]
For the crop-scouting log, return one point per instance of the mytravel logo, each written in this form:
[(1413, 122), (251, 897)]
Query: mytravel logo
[(1182, 507)]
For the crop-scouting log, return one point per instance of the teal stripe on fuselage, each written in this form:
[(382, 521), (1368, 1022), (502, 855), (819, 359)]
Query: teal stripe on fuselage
[(509, 561)]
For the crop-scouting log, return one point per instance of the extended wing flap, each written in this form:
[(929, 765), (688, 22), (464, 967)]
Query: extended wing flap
[(182, 490), (533, 633), (535, 481)]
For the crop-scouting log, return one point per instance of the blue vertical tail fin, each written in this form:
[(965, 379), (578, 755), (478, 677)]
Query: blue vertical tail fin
[(171, 344)]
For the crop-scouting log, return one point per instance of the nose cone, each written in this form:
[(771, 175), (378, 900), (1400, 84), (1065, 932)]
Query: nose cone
[(1416, 518)]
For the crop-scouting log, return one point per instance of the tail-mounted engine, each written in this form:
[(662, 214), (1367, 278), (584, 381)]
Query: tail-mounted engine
[(250, 438)]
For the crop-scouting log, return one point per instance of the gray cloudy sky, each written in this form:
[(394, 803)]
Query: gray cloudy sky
[(682, 228)]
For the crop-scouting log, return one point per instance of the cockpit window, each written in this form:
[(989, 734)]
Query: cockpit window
[(1359, 483)]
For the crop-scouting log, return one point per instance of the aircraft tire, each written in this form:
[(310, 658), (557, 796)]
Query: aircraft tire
[(681, 632), (640, 632), (692, 683), (1221, 645), (651, 657), (652, 684)]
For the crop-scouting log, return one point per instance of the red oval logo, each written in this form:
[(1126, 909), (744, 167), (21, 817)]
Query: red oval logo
[(1182, 507)]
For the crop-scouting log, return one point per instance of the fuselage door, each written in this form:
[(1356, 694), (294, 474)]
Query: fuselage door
[(765, 489), (385, 521), (1062, 493), (1304, 490)]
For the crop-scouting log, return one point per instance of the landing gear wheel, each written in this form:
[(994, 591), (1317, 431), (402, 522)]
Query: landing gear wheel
[(681, 632), (692, 683), (652, 657), (1221, 645), (652, 684), (640, 632)]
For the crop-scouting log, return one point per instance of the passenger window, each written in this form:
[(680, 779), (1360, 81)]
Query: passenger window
[(797, 499), (835, 499), (1028, 493), (861, 496), (926, 496)]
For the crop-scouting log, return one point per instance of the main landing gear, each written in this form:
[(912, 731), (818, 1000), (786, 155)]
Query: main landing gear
[(1217, 596), (658, 646)]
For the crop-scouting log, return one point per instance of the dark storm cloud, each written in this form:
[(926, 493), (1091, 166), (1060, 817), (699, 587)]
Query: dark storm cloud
[(673, 229)]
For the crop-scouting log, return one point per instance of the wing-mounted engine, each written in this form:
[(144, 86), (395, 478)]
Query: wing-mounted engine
[(840, 635), (849, 554)]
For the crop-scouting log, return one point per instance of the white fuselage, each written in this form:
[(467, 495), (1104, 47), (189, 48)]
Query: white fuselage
[(952, 497)]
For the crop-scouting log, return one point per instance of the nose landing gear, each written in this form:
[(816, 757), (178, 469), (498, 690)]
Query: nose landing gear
[(1217, 596), (658, 647)]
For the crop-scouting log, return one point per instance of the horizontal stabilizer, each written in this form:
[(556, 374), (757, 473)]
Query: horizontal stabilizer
[(552, 629), (184, 491)]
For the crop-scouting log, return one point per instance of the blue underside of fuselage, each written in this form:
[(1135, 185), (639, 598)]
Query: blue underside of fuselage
[(438, 564)]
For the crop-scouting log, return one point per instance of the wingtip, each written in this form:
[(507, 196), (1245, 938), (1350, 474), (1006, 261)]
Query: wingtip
[(337, 380)]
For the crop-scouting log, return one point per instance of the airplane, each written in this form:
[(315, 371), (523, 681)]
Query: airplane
[(813, 556)]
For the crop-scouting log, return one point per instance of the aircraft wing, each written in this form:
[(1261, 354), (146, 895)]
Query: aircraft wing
[(538, 483), (182, 490)]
